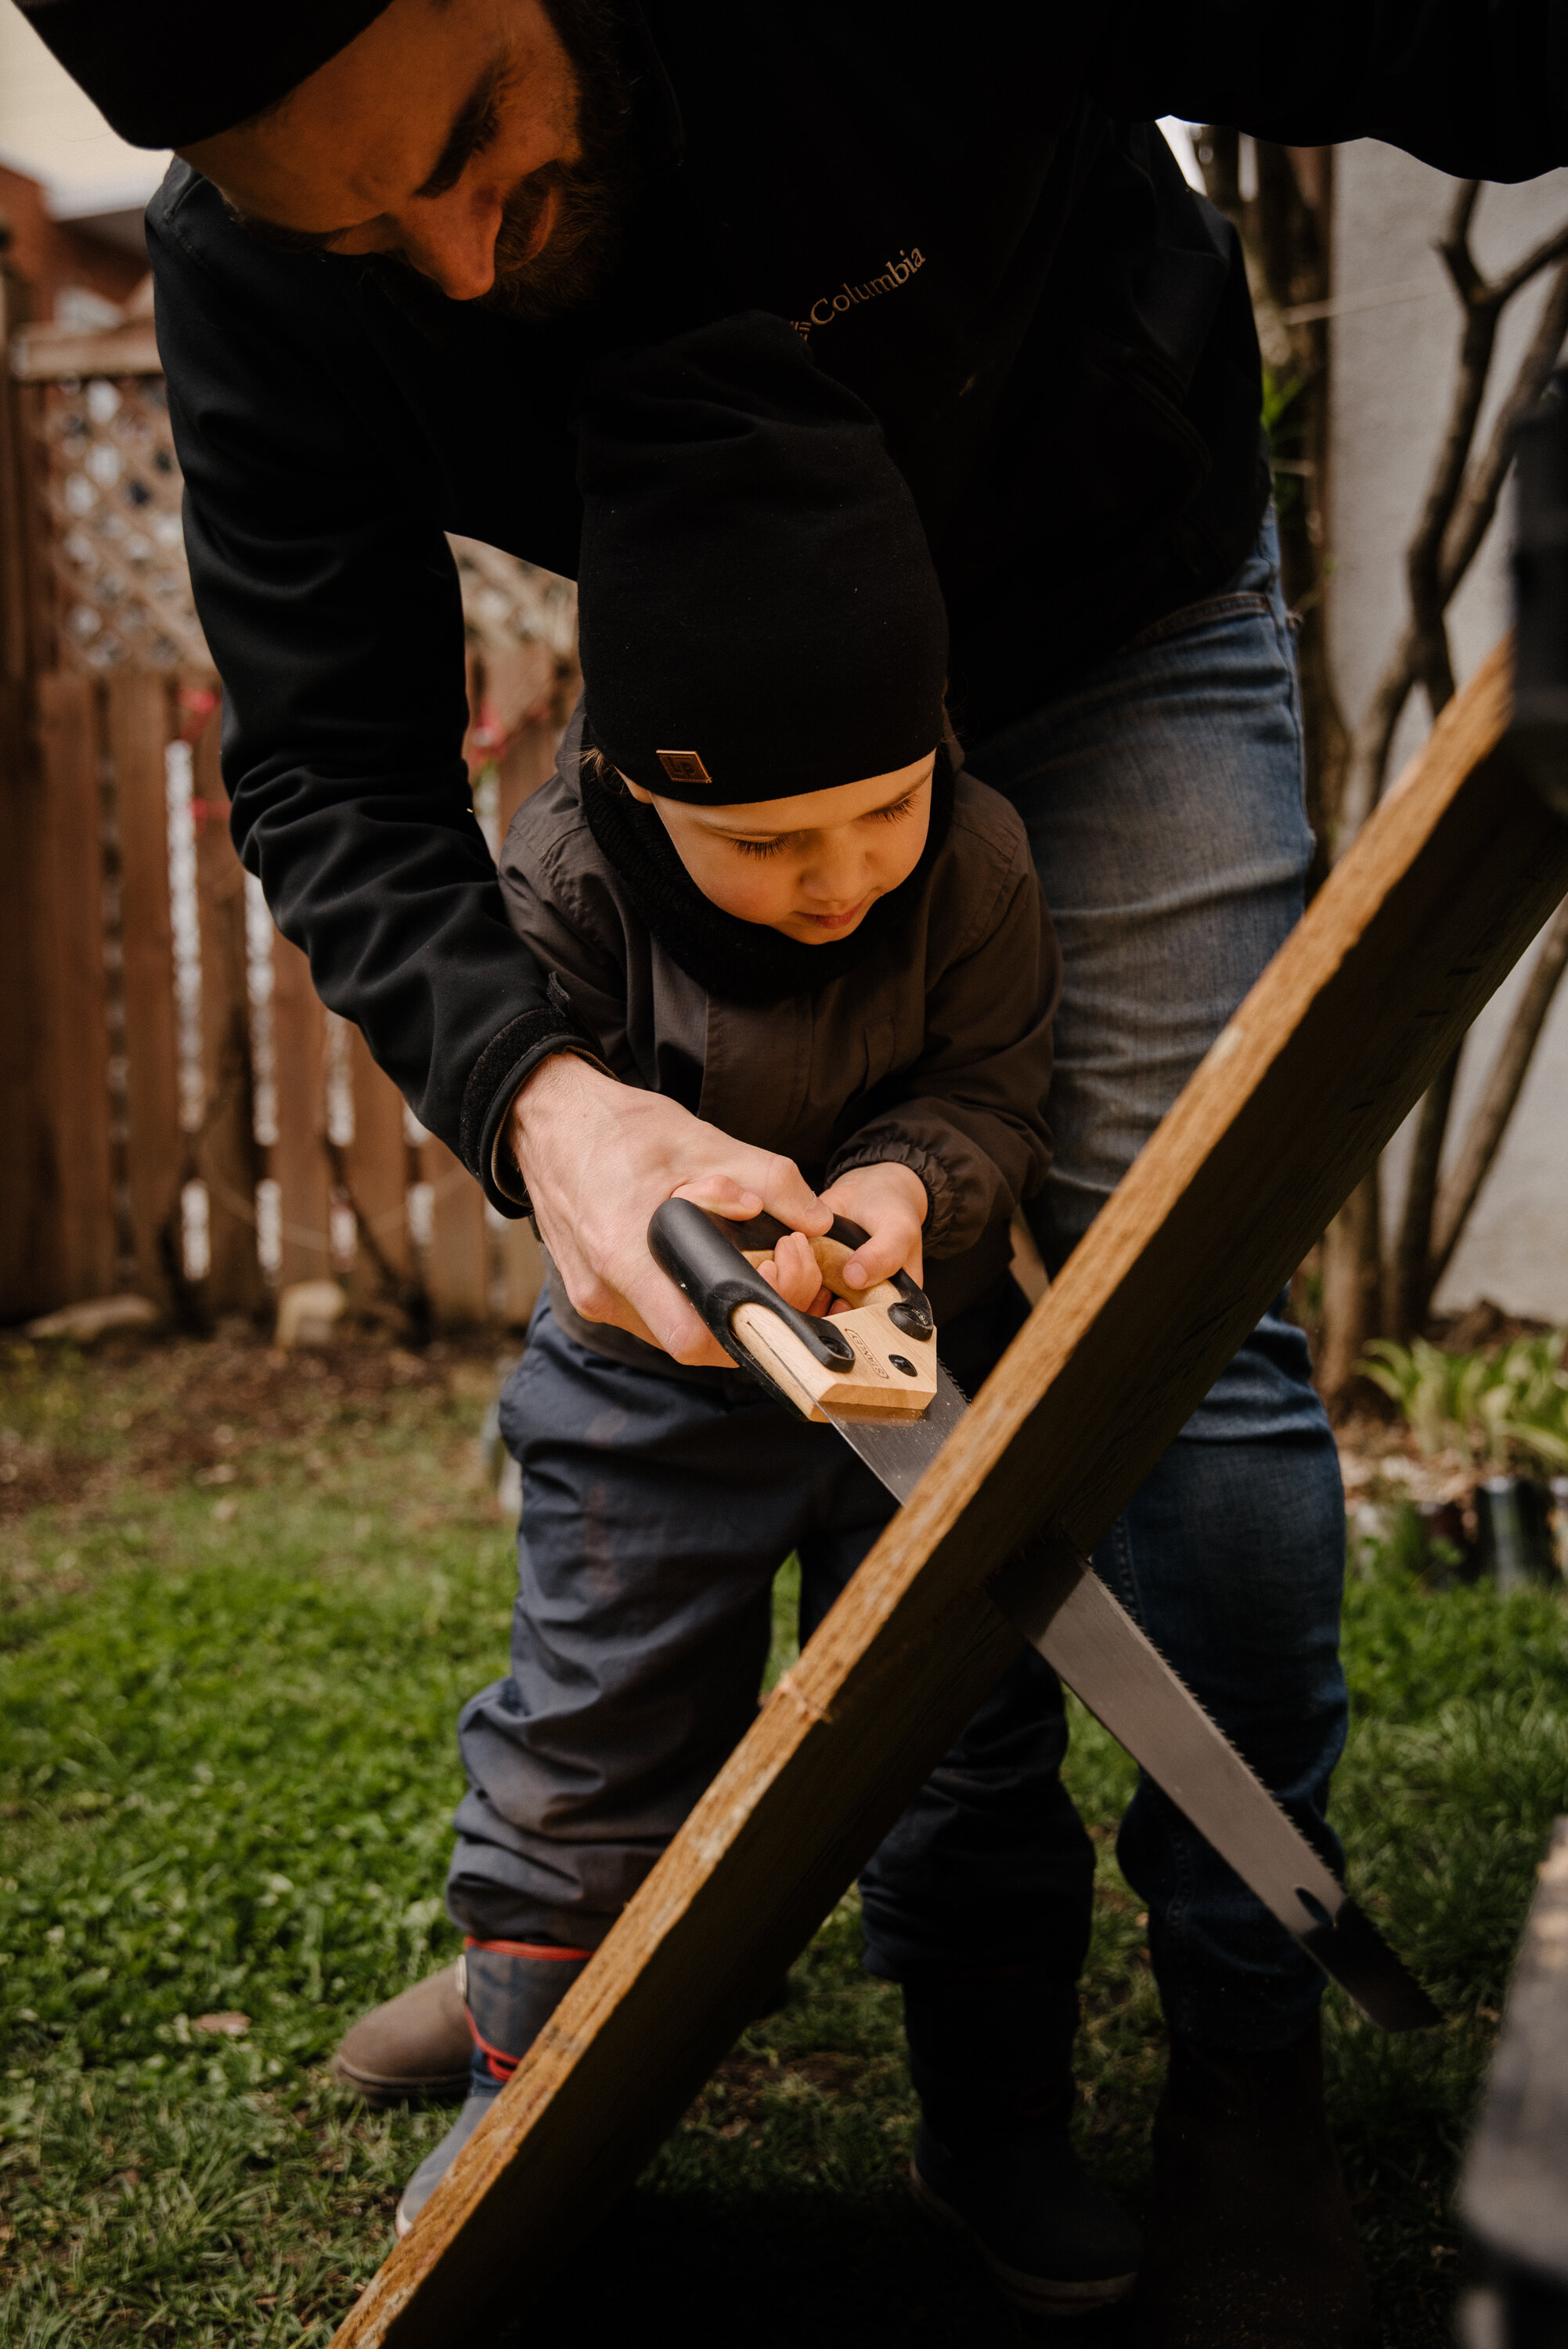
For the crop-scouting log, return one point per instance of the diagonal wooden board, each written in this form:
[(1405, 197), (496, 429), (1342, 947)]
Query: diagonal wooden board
[(1416, 926)]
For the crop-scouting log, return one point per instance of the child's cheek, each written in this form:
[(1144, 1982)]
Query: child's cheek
[(751, 888)]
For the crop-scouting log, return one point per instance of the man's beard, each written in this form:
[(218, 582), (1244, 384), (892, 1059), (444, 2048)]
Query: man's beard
[(592, 196)]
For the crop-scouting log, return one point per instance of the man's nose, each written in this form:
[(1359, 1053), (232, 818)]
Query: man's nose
[(452, 240)]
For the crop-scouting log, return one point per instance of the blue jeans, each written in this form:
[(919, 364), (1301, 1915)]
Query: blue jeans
[(1164, 802), (658, 1505)]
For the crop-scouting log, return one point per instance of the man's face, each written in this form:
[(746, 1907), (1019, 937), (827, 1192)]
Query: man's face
[(456, 136)]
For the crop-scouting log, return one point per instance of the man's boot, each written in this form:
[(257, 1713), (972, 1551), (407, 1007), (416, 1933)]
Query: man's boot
[(511, 1990), (413, 2049), (989, 2056), (1251, 2244)]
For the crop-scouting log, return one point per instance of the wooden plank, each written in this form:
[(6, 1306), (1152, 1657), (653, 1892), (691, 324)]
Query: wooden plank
[(457, 1269), (59, 1216), (376, 1169), (140, 731), (28, 1203), (300, 1162), (227, 1158), (1417, 926), (41, 354), (71, 1036)]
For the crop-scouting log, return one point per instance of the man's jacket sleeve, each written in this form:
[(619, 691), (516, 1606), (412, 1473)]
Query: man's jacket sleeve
[(333, 613), (1478, 88)]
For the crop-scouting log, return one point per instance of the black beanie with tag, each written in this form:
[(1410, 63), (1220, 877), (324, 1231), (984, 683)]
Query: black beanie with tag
[(758, 610), (185, 70)]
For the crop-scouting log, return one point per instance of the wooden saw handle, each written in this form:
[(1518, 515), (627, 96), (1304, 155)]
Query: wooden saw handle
[(879, 1357)]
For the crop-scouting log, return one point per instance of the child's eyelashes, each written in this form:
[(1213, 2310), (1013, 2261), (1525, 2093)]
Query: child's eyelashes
[(780, 841)]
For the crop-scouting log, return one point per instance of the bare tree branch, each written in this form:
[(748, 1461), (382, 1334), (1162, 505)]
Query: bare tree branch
[(1550, 249), (1460, 1192), (1454, 241), (1448, 536), (1477, 505), (1458, 508)]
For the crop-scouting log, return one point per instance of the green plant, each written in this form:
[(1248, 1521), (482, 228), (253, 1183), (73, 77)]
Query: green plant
[(1506, 1408)]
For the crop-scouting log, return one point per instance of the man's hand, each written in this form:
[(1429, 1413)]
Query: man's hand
[(598, 1157)]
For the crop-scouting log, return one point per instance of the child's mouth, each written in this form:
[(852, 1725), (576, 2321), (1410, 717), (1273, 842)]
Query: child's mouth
[(831, 922)]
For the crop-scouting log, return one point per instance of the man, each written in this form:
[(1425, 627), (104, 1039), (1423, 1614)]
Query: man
[(401, 232)]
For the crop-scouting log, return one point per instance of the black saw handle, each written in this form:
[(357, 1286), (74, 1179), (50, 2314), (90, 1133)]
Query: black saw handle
[(702, 1255)]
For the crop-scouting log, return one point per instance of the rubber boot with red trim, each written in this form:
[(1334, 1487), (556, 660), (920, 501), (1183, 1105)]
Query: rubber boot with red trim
[(511, 1990), (990, 2058)]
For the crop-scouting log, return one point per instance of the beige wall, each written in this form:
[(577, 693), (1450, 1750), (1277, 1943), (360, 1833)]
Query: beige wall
[(1393, 364), (56, 135)]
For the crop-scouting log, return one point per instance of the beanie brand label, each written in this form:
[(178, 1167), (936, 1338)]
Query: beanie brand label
[(833, 305), (683, 767)]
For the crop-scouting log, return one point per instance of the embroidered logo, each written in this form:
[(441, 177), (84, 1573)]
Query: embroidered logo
[(833, 305), (683, 767)]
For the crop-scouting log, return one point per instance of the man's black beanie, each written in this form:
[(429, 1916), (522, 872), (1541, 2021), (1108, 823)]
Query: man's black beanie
[(758, 610), (169, 75)]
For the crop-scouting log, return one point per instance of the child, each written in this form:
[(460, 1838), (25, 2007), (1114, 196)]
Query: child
[(766, 891)]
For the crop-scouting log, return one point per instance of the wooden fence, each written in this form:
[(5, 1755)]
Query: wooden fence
[(182, 1118)]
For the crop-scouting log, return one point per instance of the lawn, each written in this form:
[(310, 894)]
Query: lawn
[(242, 1597)]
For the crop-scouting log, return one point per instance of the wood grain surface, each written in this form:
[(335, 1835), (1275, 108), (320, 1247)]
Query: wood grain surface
[(1421, 921), (139, 729)]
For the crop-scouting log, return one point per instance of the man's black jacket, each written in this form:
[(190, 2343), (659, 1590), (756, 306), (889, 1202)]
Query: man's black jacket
[(968, 211)]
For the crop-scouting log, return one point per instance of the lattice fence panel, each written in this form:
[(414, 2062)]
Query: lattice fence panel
[(114, 554), (113, 543)]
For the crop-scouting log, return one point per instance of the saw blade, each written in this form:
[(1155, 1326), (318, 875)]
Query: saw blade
[(1052, 1596)]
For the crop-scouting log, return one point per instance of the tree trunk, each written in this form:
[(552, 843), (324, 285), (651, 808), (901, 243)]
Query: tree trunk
[(1350, 1284), (1409, 1289)]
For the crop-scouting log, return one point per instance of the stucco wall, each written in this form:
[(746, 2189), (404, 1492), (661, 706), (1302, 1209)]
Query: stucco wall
[(1393, 370)]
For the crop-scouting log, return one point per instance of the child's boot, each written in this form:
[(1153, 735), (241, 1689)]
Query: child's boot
[(511, 1990), (989, 2055)]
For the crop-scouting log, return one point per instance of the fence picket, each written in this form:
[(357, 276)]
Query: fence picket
[(139, 734), (299, 1161), (457, 1269), (73, 1201), (227, 1157), (376, 1168)]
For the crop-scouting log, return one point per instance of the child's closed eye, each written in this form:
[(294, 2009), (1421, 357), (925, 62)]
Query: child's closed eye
[(892, 815), (763, 847)]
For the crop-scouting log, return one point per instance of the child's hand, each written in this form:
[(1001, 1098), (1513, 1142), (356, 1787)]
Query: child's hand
[(890, 1201), (793, 1273)]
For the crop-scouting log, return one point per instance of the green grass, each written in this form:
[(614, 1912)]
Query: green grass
[(242, 1600)]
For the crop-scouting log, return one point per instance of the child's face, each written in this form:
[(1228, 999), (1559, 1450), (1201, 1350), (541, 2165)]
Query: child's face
[(812, 866)]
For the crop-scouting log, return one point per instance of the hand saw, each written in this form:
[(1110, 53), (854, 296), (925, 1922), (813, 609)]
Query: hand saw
[(873, 1375)]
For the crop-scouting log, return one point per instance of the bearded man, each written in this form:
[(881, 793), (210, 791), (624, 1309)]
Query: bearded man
[(399, 234)]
